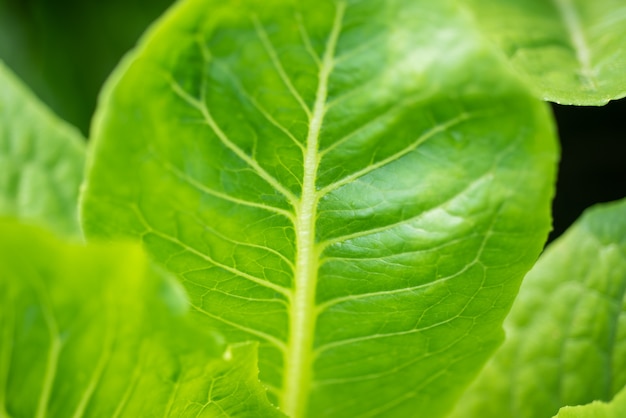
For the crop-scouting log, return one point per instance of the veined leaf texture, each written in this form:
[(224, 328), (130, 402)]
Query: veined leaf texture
[(358, 186)]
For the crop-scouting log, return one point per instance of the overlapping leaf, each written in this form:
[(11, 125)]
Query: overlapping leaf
[(41, 160), (614, 409), (359, 194), (566, 335), (94, 332), (571, 51)]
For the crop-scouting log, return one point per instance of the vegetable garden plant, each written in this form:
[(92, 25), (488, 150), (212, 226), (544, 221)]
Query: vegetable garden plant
[(317, 209)]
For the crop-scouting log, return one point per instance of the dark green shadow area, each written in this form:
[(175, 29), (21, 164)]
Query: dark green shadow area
[(65, 49)]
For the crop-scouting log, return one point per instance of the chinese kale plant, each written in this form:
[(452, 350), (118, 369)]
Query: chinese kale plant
[(337, 201)]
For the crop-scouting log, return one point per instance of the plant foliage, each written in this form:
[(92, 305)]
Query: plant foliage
[(570, 51), (349, 193)]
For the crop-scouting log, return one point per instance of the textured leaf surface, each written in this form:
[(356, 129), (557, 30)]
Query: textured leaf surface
[(614, 409), (571, 51), (93, 332), (566, 334), (359, 196), (41, 160)]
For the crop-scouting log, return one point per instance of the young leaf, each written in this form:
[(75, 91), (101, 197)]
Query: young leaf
[(41, 160), (566, 334), (571, 51), (359, 195), (93, 332), (614, 409)]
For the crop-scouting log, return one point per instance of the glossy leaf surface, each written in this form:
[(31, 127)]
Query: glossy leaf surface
[(41, 160), (94, 332), (359, 196), (566, 334), (570, 51), (614, 409)]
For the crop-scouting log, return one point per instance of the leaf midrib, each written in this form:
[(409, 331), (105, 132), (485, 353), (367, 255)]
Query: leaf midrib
[(302, 313), (575, 32)]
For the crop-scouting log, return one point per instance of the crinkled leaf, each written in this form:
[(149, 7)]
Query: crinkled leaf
[(566, 334), (570, 51), (359, 195), (41, 160), (94, 332), (614, 409)]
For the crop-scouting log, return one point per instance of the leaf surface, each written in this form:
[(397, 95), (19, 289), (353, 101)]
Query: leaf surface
[(570, 51), (41, 160), (359, 197), (566, 334), (614, 409), (94, 332)]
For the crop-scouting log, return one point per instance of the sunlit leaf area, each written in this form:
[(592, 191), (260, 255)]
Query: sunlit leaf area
[(311, 209)]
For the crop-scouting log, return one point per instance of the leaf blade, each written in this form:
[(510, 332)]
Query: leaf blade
[(42, 159), (130, 351), (568, 50), (566, 330), (434, 162), (596, 409)]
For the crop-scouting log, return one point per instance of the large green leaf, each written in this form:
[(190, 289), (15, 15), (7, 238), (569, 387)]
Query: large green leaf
[(41, 160), (566, 334), (94, 332), (570, 51), (614, 409), (360, 196)]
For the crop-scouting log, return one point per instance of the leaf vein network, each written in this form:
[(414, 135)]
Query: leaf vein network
[(201, 106)]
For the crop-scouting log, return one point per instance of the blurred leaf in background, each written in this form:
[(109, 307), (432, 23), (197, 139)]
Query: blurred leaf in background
[(65, 49)]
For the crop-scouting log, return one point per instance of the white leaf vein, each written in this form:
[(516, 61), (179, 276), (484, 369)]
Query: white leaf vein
[(440, 128), (226, 141), (306, 39), (478, 182), (576, 35), (278, 66), (261, 282), (220, 195), (279, 344), (255, 103)]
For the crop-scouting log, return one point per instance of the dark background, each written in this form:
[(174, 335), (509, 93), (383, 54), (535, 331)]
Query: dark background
[(65, 49), (593, 159)]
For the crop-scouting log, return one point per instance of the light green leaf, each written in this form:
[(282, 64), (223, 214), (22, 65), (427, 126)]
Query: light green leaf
[(614, 409), (41, 160), (566, 334), (94, 332), (359, 196), (570, 51)]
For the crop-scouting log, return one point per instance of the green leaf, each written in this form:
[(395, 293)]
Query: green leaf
[(94, 332), (570, 51), (566, 334), (42, 160), (360, 197), (614, 409), (64, 50)]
